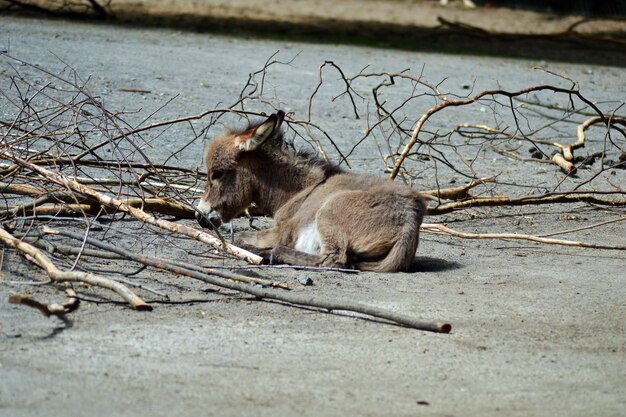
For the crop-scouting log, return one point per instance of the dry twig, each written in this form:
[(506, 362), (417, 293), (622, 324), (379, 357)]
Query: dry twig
[(446, 230), (214, 277), (492, 93), (501, 201), (48, 310), (56, 275)]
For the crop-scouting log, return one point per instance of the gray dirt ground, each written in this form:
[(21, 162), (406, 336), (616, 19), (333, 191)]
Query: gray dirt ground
[(537, 330)]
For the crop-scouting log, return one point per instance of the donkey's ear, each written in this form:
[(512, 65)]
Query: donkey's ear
[(253, 138)]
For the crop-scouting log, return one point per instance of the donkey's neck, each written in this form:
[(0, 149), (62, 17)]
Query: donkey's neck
[(281, 176)]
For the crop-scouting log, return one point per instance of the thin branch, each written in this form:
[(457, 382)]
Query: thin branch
[(56, 275), (456, 103), (428, 227), (48, 310), (578, 229), (523, 201), (214, 277)]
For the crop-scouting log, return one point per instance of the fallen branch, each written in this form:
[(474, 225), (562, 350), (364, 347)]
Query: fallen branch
[(175, 266), (565, 158), (578, 229), (68, 250), (522, 201), (56, 275), (433, 227), (163, 206), (212, 276), (489, 93), (48, 310), (21, 189), (564, 163), (568, 150)]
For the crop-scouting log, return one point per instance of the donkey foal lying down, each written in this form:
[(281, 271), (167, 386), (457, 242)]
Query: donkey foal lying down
[(323, 215)]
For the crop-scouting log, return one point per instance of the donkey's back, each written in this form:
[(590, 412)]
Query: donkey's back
[(323, 216), (353, 220)]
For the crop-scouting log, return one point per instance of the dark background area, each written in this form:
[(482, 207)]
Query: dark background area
[(587, 7)]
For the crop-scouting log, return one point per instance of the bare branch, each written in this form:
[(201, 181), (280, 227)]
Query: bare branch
[(446, 230), (56, 275)]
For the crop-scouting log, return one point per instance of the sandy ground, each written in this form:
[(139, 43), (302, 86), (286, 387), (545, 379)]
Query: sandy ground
[(536, 330)]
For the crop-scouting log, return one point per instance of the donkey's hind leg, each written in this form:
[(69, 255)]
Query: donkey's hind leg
[(259, 240), (287, 255)]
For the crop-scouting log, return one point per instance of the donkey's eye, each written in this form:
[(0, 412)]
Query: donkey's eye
[(216, 175)]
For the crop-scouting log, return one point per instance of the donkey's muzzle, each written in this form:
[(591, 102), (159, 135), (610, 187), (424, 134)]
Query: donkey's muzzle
[(210, 220)]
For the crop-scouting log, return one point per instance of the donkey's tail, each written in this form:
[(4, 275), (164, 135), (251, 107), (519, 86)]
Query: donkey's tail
[(399, 258), (402, 253)]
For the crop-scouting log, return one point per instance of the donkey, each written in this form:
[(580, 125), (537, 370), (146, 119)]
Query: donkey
[(323, 215)]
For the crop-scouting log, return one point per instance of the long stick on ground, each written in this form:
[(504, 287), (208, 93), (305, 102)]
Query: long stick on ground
[(443, 229), (263, 293), (135, 212), (56, 275), (523, 201), (157, 262)]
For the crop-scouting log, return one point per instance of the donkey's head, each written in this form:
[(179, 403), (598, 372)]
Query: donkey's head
[(231, 171)]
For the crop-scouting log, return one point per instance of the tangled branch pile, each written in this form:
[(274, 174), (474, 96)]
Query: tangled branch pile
[(72, 169)]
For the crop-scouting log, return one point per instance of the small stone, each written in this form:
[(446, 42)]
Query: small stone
[(589, 160), (304, 280), (12, 334)]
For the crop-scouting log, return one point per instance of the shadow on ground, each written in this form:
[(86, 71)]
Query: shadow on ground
[(428, 264), (449, 37)]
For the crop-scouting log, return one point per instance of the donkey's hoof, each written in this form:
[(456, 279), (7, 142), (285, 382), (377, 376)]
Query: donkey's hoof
[(272, 257), (269, 257)]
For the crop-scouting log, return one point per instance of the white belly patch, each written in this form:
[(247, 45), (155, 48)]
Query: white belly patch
[(309, 240)]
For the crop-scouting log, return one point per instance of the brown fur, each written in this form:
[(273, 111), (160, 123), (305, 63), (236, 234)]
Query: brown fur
[(357, 220)]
